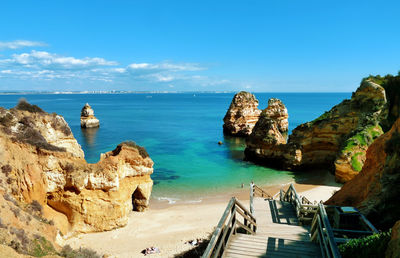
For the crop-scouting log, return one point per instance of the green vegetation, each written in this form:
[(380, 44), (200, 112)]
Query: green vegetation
[(24, 105), (41, 247), (355, 162), (363, 138), (370, 246), (391, 84), (27, 134), (142, 150), (321, 117), (68, 252)]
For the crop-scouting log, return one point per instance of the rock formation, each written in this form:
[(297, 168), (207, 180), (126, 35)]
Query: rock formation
[(242, 115), (375, 190), (393, 249), (337, 140), (88, 120), (41, 161), (270, 132)]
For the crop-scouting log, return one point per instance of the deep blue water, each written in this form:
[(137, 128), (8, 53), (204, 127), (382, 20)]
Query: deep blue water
[(180, 132)]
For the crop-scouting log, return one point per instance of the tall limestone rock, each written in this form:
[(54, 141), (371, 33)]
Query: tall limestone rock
[(88, 120), (242, 115), (375, 190), (42, 161), (269, 134), (337, 140)]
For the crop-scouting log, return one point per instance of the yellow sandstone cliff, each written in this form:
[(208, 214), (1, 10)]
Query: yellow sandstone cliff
[(337, 140), (42, 162)]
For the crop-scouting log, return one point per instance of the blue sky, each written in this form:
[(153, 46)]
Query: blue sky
[(267, 46)]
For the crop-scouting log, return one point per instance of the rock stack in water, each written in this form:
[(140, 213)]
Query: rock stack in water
[(269, 132), (242, 115), (337, 140), (88, 120)]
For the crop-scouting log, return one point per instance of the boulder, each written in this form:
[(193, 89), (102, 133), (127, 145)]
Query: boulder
[(242, 115)]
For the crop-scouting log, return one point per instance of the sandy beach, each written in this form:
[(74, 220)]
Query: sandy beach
[(170, 226)]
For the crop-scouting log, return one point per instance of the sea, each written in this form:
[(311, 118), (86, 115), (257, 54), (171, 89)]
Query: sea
[(180, 131)]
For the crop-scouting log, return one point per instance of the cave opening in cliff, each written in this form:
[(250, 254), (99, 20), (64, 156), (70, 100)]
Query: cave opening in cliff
[(138, 200)]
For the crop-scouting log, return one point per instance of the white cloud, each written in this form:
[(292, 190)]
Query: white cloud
[(20, 44), (165, 67), (44, 66), (42, 59)]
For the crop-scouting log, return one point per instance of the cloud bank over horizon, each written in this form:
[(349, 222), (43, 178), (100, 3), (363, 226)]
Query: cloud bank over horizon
[(55, 72)]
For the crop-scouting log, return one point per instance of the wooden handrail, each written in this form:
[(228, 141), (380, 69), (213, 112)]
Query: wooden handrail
[(257, 191), (322, 233), (227, 227)]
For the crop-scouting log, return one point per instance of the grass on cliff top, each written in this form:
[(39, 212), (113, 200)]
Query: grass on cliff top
[(24, 105), (355, 162), (363, 138), (142, 150), (321, 117), (371, 246)]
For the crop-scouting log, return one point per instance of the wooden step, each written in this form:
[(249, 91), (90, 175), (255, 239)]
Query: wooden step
[(278, 234)]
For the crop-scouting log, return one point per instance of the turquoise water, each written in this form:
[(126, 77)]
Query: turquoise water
[(180, 132)]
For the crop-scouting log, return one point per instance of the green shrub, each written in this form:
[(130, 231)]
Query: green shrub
[(142, 150), (33, 137), (371, 246), (41, 247), (24, 105), (68, 252)]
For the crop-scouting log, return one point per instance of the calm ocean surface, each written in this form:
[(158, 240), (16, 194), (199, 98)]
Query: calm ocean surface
[(180, 132)]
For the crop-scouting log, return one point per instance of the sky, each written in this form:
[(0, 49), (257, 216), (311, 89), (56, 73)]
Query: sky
[(166, 45)]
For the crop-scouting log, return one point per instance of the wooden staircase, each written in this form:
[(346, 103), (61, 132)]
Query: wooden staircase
[(278, 234)]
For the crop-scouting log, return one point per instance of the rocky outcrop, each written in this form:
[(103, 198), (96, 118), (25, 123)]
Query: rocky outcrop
[(337, 140), (269, 134), (242, 115), (375, 190), (88, 120), (41, 161), (393, 249)]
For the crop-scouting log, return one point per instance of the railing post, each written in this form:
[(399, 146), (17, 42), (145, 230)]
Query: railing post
[(233, 214), (251, 198)]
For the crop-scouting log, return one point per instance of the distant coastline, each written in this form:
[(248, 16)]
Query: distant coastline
[(143, 92)]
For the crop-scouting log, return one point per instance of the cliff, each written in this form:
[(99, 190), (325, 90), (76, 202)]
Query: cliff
[(42, 162), (88, 120), (375, 190), (393, 249), (242, 115), (337, 140)]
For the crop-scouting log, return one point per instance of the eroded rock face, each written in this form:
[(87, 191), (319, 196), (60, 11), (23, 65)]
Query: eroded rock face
[(242, 115), (393, 249), (375, 190), (323, 141), (269, 134), (78, 196), (88, 120)]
